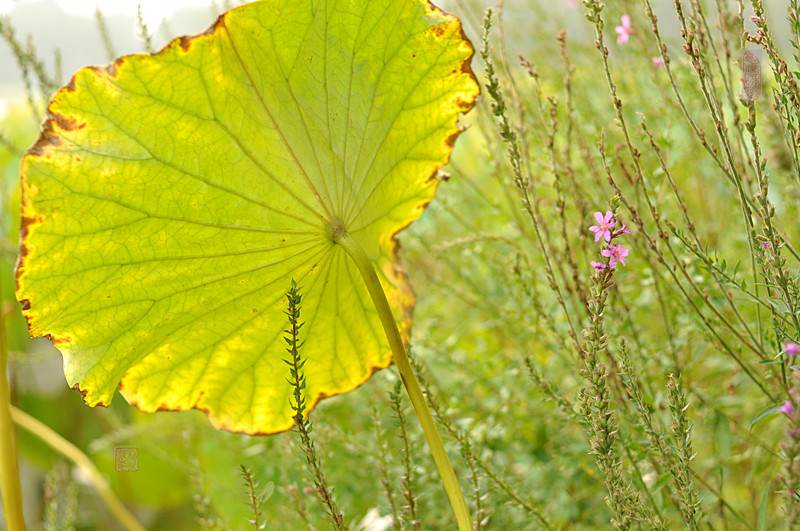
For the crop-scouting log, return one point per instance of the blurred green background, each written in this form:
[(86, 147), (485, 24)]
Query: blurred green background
[(483, 305)]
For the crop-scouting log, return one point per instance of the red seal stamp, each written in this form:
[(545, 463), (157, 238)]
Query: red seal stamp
[(126, 459), (751, 74)]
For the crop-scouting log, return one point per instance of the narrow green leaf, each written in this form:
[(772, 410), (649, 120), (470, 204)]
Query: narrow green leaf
[(763, 510), (724, 437), (764, 414), (778, 305), (661, 482)]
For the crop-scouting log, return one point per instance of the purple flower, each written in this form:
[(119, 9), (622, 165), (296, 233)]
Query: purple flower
[(787, 408), (615, 253), (623, 230), (624, 31), (658, 62), (603, 230), (599, 266), (792, 349), (766, 244)]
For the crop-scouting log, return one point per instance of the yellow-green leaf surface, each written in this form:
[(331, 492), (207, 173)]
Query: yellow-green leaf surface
[(172, 197)]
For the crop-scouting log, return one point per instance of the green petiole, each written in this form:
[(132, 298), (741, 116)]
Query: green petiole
[(446, 472)]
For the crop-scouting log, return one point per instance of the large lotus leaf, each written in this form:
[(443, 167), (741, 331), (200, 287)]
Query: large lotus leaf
[(172, 197)]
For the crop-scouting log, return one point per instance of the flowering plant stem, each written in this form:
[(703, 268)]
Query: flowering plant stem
[(9, 471), (435, 444)]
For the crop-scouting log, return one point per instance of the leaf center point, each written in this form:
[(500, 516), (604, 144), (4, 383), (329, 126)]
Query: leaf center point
[(336, 231)]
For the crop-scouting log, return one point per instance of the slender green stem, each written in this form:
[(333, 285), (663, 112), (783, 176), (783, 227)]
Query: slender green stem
[(9, 471), (446, 472), (76, 455)]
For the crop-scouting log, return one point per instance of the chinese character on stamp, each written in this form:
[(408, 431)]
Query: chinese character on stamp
[(126, 459), (751, 74)]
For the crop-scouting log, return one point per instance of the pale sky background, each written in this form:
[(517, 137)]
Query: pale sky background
[(70, 26), (153, 11)]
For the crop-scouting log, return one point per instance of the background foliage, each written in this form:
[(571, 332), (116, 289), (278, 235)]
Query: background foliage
[(701, 297)]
